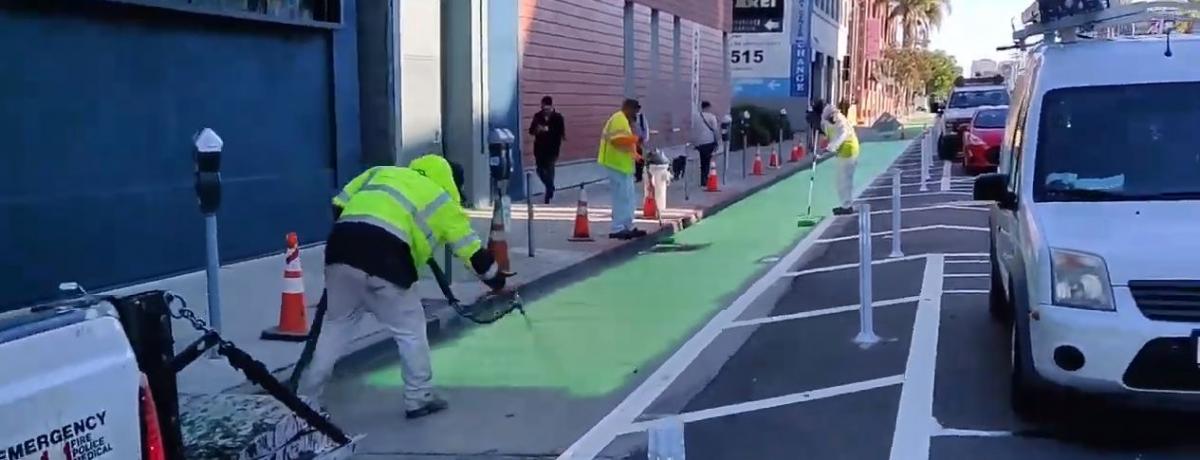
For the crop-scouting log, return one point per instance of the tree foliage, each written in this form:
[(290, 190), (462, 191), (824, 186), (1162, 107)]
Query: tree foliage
[(921, 70), (917, 18)]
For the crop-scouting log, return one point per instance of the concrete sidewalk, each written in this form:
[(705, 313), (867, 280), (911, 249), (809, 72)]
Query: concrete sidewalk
[(251, 289)]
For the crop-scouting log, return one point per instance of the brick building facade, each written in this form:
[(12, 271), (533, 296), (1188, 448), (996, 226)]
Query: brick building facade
[(873, 92), (590, 54)]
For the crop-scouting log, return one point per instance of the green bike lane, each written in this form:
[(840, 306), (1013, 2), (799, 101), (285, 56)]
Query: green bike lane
[(528, 387)]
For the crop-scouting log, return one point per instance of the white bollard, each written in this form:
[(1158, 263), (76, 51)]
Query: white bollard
[(926, 151), (866, 330), (666, 440), (897, 230)]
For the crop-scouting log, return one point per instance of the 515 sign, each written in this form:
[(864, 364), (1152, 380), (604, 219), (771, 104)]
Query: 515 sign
[(746, 56)]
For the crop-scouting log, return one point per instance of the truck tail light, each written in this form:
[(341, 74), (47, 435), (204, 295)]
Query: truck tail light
[(152, 440)]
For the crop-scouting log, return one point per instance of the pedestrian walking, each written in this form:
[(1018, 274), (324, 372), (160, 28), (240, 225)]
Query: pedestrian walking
[(388, 220), (705, 137), (549, 131), (844, 143), (617, 154)]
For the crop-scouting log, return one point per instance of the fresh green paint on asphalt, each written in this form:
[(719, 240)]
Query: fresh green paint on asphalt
[(589, 338)]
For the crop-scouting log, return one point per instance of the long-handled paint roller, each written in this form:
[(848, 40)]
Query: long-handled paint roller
[(809, 219)]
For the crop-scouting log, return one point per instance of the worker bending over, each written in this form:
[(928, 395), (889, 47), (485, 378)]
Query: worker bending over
[(844, 142), (388, 220)]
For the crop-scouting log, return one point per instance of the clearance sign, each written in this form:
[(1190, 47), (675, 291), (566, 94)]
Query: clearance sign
[(768, 48)]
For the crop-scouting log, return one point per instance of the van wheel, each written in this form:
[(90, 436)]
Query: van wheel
[(998, 303)]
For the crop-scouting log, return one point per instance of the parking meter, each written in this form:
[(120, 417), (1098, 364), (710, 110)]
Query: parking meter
[(726, 124), (783, 121), (500, 154), (207, 156)]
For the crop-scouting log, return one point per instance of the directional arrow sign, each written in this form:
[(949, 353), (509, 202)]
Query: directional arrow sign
[(773, 84), (772, 25)]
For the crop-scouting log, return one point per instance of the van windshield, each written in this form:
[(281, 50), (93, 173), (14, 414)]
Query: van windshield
[(971, 99), (1119, 143)]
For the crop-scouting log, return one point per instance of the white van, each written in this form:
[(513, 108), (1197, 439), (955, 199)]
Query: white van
[(1095, 235)]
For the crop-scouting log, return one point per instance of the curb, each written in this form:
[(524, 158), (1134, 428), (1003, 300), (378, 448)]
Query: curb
[(443, 323)]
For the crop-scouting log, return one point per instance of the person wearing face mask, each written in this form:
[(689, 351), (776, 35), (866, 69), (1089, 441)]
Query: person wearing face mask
[(844, 143), (549, 131)]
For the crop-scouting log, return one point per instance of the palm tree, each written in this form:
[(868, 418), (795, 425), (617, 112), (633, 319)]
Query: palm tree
[(917, 18)]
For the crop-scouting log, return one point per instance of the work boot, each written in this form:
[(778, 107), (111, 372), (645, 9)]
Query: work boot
[(621, 235), (636, 233), (842, 211), (432, 406)]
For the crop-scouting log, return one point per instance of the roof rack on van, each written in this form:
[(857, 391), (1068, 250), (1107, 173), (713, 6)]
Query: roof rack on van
[(993, 80), (1067, 27)]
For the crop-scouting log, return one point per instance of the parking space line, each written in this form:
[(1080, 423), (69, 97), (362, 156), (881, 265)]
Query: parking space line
[(967, 275), (833, 268), (914, 419), (912, 195), (966, 291), (967, 261), (623, 415), (821, 312), (935, 207), (955, 432), (769, 403), (888, 233)]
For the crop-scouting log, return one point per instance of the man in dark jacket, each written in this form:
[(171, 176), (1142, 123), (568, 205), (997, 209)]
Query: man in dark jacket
[(549, 131)]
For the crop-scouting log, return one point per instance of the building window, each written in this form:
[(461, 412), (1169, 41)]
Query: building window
[(300, 12)]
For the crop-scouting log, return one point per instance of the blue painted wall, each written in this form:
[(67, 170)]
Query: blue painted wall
[(504, 104), (100, 102)]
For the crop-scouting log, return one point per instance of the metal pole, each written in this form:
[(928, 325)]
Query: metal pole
[(213, 271), (866, 332), (745, 148), (897, 230), (529, 208), (447, 257), (725, 173)]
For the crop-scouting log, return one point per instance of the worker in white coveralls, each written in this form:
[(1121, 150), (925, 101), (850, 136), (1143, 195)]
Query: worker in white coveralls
[(843, 142)]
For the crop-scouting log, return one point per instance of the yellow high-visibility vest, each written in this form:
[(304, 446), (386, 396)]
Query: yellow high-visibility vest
[(611, 155), (419, 204)]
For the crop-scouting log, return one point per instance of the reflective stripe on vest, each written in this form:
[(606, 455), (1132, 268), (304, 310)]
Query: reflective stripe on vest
[(419, 216)]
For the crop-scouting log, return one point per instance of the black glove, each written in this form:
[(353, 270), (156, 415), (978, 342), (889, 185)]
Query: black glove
[(496, 282)]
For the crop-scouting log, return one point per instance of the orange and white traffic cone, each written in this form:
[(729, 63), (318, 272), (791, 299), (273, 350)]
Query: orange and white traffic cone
[(293, 318), (649, 206), (498, 242), (758, 165), (797, 153), (712, 185), (583, 228), (773, 161)]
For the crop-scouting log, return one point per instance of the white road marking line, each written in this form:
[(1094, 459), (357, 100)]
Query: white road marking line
[(833, 268), (751, 406), (971, 433), (929, 208), (611, 426), (626, 412), (967, 261), (945, 178), (966, 291), (914, 420), (821, 312), (967, 275), (888, 233), (969, 254), (911, 195)]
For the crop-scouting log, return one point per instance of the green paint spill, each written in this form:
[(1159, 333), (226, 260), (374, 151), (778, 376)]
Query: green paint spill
[(588, 339)]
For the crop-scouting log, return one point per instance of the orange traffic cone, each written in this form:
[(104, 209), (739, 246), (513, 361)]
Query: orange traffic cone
[(712, 185), (293, 318), (498, 243), (797, 153), (758, 165), (773, 161), (650, 207), (583, 228)]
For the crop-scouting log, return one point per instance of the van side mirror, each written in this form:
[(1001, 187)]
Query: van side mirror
[(994, 187)]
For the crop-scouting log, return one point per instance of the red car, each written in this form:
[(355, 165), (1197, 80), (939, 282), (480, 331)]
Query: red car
[(981, 140)]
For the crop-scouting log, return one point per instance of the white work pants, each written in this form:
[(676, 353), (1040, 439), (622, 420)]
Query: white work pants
[(845, 179), (350, 293)]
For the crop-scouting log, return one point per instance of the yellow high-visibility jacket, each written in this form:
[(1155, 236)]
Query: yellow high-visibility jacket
[(612, 155), (419, 204)]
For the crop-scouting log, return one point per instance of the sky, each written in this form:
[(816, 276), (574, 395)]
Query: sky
[(976, 27)]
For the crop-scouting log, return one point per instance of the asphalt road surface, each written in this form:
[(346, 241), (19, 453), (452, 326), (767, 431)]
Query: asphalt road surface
[(778, 374)]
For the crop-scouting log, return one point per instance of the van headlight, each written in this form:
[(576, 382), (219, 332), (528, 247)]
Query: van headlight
[(1080, 280)]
